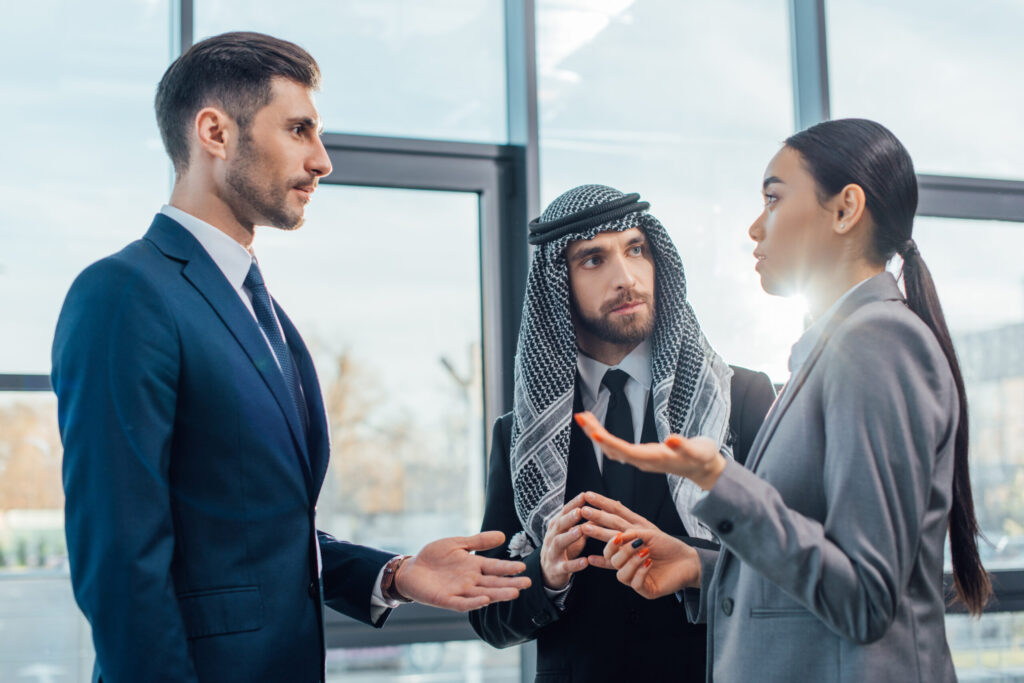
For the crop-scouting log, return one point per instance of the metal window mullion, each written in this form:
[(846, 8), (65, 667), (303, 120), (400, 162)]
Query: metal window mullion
[(809, 57)]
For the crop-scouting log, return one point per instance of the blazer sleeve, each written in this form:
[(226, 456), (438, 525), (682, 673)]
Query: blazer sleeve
[(115, 369), (696, 599), (509, 623), (889, 406), (349, 574)]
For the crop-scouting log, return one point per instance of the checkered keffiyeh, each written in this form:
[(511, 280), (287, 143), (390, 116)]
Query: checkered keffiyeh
[(690, 387)]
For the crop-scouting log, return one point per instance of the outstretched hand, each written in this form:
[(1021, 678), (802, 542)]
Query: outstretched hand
[(446, 573), (696, 458)]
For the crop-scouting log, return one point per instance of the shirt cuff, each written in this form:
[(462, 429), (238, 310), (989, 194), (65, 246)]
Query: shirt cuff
[(378, 605), (558, 596)]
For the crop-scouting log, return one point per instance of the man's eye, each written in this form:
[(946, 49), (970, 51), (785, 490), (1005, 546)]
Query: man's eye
[(590, 262), (637, 250), (298, 129)]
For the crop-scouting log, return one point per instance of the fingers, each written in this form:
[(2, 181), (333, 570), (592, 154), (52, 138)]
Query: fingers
[(490, 581), (605, 519), (599, 532), (615, 507), (648, 456), (561, 522), (599, 561), (485, 540), (496, 567), (560, 543), (640, 576), (574, 503), (618, 549), (628, 570)]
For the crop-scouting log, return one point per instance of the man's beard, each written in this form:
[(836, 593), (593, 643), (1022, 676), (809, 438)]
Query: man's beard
[(260, 204), (627, 329)]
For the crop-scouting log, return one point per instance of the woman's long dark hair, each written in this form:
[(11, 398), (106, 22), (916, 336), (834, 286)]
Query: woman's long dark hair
[(861, 152)]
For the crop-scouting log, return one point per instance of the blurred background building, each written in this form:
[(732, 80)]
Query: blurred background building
[(450, 123)]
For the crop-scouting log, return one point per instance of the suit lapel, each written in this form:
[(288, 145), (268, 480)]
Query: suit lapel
[(881, 287), (650, 489), (200, 270), (583, 474), (318, 437)]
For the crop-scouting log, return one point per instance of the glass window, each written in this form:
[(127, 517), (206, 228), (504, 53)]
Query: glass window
[(980, 282), (451, 662), (685, 103), (43, 636), (84, 169), (384, 286), (391, 67), (987, 649), (939, 73)]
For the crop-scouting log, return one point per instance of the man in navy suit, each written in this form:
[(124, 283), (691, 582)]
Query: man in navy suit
[(194, 430)]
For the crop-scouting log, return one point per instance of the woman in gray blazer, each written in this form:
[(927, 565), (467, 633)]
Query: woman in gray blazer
[(832, 536)]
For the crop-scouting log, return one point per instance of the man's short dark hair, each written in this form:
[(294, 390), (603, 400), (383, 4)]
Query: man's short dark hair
[(232, 71)]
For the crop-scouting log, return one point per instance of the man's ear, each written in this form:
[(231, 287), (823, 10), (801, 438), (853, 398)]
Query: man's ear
[(848, 208), (212, 130)]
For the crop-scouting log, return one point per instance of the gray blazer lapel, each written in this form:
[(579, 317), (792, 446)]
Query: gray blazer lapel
[(881, 287)]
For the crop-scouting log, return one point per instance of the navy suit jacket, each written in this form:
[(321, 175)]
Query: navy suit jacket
[(190, 482)]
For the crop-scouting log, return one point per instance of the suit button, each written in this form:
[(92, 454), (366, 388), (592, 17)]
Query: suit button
[(540, 620), (724, 527), (727, 606), (312, 590)]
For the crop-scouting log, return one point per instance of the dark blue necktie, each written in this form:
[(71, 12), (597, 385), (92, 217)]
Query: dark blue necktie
[(268, 323), (618, 478)]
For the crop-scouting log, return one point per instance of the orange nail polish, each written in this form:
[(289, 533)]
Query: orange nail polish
[(647, 562), (579, 418), (597, 437), (617, 540), (644, 552), (674, 441)]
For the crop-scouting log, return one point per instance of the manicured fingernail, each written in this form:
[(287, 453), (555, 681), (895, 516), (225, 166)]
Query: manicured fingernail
[(647, 562), (644, 553), (638, 542), (597, 437), (617, 540), (674, 441), (579, 418)]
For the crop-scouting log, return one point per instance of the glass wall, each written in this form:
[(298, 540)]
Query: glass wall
[(685, 103), (939, 73), (391, 67), (385, 286)]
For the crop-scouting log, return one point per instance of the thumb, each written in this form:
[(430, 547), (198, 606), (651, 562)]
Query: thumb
[(485, 540)]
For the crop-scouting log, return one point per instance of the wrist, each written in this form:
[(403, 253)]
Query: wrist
[(390, 579), (712, 471)]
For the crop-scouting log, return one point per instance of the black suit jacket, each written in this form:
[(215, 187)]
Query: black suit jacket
[(606, 632)]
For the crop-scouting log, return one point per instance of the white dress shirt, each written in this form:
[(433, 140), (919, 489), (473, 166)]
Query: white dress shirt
[(595, 396), (234, 262), (809, 339)]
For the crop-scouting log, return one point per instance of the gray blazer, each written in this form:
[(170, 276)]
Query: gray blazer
[(833, 538)]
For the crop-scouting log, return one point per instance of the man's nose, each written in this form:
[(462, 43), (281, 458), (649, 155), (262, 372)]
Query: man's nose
[(319, 163)]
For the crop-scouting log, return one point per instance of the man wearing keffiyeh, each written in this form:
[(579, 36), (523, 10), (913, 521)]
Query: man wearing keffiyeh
[(606, 327)]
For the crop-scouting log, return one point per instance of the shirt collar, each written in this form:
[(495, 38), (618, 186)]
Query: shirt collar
[(807, 341), (232, 258), (637, 365)]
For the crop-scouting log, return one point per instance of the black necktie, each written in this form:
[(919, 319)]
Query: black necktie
[(618, 478), (268, 323)]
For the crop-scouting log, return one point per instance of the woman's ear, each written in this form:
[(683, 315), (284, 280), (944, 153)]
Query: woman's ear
[(848, 209)]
